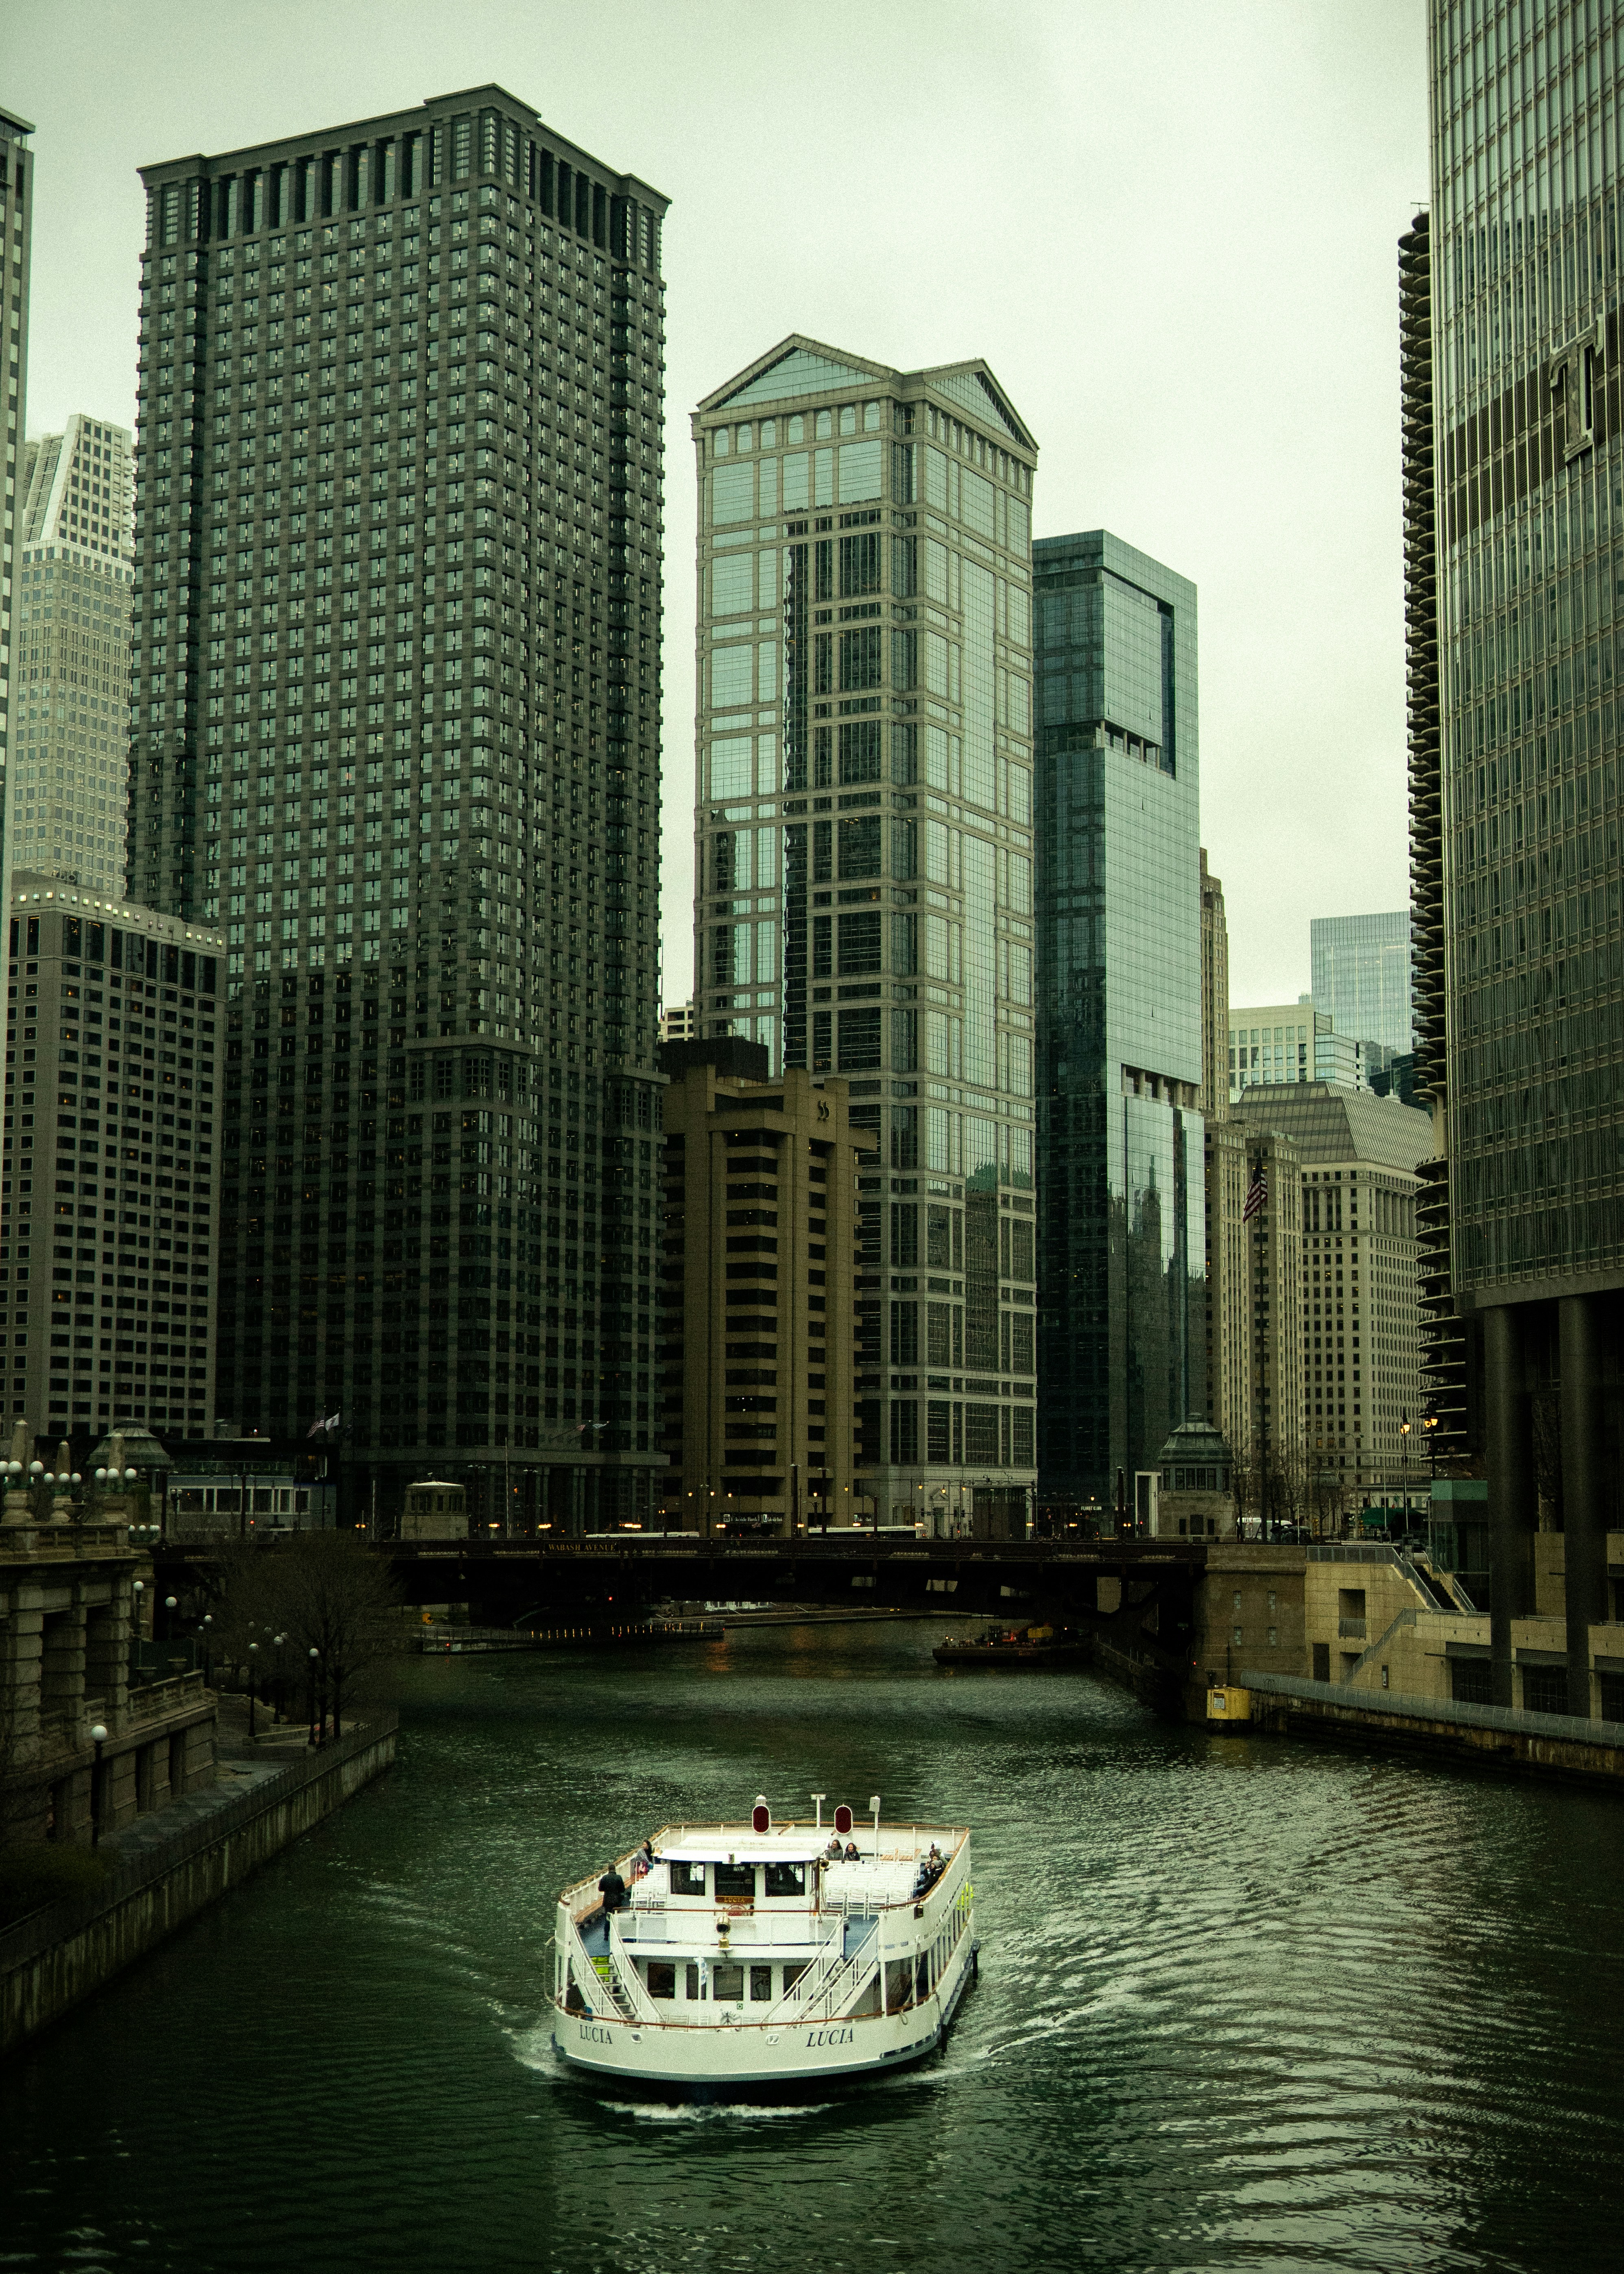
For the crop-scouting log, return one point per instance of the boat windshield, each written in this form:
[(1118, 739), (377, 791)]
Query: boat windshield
[(786, 1879)]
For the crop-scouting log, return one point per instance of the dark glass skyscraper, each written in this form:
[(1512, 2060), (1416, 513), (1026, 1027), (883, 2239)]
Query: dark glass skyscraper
[(1121, 1246), (1523, 252), (397, 703), (17, 222)]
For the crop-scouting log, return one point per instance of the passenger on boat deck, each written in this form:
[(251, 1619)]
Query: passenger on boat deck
[(852, 1856), (930, 1869), (643, 1862), (611, 1888), (834, 1851)]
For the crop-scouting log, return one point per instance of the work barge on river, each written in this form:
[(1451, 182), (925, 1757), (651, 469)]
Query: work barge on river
[(752, 1960)]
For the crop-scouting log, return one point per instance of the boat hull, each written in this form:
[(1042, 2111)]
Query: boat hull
[(787, 2061)]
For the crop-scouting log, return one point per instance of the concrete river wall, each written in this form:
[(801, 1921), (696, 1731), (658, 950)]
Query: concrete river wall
[(61, 1954)]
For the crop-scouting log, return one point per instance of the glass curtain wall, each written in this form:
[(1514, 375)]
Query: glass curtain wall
[(1122, 1246), (863, 861), (1531, 555)]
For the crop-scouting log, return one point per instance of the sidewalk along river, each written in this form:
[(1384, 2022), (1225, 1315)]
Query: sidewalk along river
[(1242, 2003)]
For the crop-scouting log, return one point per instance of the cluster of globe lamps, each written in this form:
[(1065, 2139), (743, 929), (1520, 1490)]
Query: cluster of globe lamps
[(39, 1474)]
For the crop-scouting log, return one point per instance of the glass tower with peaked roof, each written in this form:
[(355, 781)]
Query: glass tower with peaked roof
[(864, 864)]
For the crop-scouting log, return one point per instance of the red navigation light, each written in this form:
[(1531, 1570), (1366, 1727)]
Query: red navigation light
[(842, 1818), (760, 1817)]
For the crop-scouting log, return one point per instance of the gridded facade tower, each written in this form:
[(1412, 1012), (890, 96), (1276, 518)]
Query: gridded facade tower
[(1120, 1167), (16, 235), (1360, 974), (77, 488), (760, 1268), (1355, 1220), (1528, 410), (70, 672), (114, 1056), (863, 858), (396, 656)]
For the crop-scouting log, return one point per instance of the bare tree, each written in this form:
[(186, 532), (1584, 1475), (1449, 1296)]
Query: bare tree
[(333, 1594), (1245, 1484)]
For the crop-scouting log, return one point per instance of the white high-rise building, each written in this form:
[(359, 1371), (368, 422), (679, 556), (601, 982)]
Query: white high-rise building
[(78, 489), (69, 782)]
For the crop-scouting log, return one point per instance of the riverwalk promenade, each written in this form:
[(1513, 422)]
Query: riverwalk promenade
[(168, 1867)]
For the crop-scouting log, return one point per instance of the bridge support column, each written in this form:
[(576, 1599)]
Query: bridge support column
[(1584, 1510), (1514, 1508)]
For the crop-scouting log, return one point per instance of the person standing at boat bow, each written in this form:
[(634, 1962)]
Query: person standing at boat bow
[(611, 1888)]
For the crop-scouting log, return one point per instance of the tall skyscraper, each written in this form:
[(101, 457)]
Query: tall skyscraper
[(1359, 972), (17, 233), (760, 1268), (70, 655), (1354, 1274), (1122, 1251), (1528, 454), (863, 854), (1448, 1342), (396, 647), (114, 1065)]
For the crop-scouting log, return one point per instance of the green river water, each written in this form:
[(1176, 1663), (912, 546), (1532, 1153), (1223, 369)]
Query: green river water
[(1242, 2003)]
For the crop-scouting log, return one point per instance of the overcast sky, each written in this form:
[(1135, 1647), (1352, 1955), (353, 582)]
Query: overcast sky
[(1170, 228)]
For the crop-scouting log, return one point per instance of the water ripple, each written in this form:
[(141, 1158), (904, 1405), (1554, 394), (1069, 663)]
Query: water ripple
[(1241, 2004)]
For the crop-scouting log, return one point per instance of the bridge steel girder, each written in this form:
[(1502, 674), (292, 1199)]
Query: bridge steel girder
[(1024, 1581)]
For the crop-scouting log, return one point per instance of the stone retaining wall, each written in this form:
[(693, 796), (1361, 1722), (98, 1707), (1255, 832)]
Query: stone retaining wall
[(52, 1960), (1492, 1736)]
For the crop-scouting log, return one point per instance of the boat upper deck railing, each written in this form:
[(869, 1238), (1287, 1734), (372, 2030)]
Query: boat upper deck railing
[(880, 1877)]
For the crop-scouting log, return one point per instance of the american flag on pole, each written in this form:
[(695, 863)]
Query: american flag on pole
[(1256, 1195)]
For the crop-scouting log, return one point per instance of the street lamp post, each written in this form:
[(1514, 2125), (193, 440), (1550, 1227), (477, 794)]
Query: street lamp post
[(98, 1738), (253, 1662), (314, 1655)]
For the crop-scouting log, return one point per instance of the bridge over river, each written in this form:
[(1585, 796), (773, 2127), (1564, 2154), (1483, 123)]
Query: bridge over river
[(1148, 1614)]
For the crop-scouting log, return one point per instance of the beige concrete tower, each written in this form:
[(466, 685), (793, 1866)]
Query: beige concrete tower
[(1358, 1297), (759, 1293)]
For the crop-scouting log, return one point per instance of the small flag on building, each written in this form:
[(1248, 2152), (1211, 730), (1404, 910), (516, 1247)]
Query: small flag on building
[(324, 1426), (1256, 1195)]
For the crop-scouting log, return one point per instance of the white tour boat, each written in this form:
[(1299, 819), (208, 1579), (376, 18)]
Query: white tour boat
[(754, 1959)]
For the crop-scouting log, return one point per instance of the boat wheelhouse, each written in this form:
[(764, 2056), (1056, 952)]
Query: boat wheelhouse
[(752, 1958)]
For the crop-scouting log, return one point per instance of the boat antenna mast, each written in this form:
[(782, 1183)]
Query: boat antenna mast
[(873, 1803)]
